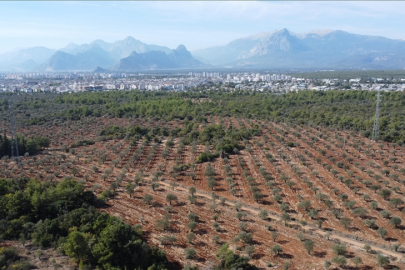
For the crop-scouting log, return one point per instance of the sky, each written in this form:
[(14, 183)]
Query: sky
[(195, 24)]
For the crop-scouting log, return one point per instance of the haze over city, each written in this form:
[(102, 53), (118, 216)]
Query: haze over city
[(197, 25)]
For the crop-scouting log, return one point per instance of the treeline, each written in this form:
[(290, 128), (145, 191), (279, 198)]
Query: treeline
[(63, 216), (351, 109), (25, 145)]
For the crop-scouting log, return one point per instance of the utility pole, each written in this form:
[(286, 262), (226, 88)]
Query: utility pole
[(376, 128), (14, 143)]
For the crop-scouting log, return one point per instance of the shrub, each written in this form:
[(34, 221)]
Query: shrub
[(339, 249), (382, 260), (309, 246), (396, 221), (147, 199), (190, 237), (263, 214), (230, 260), (249, 250), (382, 232), (192, 225), (190, 253), (340, 260), (162, 224), (193, 217), (385, 214), (171, 197), (276, 249), (205, 157), (345, 222)]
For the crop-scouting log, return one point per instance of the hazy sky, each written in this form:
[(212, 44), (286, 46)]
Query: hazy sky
[(194, 24)]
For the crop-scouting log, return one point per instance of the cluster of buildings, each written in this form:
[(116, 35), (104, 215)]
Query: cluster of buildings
[(278, 83)]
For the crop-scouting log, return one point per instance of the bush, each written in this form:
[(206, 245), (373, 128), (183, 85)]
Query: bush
[(382, 232), (205, 157), (7, 255), (276, 249), (230, 260), (190, 253), (290, 144), (382, 260), (396, 221), (340, 260), (263, 214), (339, 249), (192, 225), (309, 246)]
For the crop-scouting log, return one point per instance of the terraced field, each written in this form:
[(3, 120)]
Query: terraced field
[(302, 188)]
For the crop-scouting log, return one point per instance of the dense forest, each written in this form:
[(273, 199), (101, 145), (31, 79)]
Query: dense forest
[(63, 215), (25, 145), (350, 110)]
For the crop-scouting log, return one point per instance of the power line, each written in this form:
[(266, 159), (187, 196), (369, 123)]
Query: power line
[(376, 128)]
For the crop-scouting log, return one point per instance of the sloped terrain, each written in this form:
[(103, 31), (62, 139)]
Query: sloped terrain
[(315, 184)]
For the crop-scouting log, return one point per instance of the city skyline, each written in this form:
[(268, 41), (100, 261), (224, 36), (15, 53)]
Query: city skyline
[(197, 25)]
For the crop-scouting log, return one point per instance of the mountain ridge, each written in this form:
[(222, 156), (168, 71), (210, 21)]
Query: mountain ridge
[(330, 49), (315, 49), (178, 58)]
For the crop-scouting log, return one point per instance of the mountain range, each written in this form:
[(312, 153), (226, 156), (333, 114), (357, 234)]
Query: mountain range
[(318, 49), (129, 54), (277, 49)]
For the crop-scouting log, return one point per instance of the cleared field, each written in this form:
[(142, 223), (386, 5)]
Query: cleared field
[(315, 184)]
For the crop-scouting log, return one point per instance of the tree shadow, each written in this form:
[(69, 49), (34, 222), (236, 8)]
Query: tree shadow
[(199, 259), (285, 256), (157, 204), (180, 204), (200, 244), (255, 242), (257, 256), (173, 230), (349, 255), (201, 231), (391, 239), (265, 202), (353, 229), (319, 254), (400, 227), (175, 265)]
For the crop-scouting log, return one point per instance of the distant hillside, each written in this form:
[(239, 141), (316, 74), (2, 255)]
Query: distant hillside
[(117, 50), (328, 49), (178, 58), (24, 59), (277, 49), (88, 60)]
